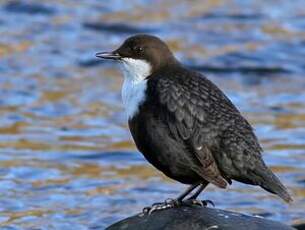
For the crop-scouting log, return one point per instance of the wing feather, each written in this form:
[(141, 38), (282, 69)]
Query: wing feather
[(187, 101), (209, 170)]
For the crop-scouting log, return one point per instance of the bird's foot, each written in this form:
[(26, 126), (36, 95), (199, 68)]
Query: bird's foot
[(174, 203), (202, 203), (168, 203)]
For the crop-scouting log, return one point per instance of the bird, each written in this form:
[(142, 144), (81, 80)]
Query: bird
[(185, 126)]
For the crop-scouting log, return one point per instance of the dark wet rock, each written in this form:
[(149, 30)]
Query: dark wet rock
[(300, 226), (240, 69), (116, 28), (28, 8), (193, 218), (263, 214)]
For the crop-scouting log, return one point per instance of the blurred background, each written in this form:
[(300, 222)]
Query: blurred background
[(66, 155)]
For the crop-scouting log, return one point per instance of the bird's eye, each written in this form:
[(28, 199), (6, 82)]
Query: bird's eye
[(138, 49)]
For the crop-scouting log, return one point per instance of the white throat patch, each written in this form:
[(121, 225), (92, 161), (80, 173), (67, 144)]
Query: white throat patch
[(135, 83)]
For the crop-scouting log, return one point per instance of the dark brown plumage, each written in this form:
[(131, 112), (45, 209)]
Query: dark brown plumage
[(188, 129)]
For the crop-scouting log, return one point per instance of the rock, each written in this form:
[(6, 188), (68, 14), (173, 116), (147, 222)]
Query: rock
[(300, 226), (193, 218)]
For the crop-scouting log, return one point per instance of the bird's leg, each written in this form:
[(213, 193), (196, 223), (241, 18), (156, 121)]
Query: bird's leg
[(187, 191), (196, 194), (193, 198), (170, 203)]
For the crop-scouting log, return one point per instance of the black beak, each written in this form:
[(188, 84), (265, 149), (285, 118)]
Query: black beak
[(108, 55)]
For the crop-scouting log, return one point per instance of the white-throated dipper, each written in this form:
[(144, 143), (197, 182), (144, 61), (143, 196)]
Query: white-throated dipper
[(185, 125)]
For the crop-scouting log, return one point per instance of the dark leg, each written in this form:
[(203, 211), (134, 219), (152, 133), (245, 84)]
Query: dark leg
[(196, 194), (193, 199), (188, 191)]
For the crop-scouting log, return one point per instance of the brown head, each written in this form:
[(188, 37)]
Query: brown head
[(142, 48)]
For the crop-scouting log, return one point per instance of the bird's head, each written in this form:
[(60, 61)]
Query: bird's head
[(144, 54)]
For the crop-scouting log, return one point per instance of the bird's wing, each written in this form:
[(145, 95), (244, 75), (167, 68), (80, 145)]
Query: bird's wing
[(214, 131), (191, 103)]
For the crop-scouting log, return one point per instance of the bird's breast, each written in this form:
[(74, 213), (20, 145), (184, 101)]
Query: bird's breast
[(133, 95)]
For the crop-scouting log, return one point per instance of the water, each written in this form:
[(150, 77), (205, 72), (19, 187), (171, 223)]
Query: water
[(67, 158)]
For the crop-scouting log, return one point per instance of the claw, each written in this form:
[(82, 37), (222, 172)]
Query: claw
[(198, 202), (146, 210), (159, 207), (168, 203), (191, 202), (202, 203), (207, 202), (173, 202)]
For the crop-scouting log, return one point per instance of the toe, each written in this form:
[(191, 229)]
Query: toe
[(198, 202), (207, 202)]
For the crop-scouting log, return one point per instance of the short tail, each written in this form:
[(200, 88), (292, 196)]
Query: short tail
[(272, 184)]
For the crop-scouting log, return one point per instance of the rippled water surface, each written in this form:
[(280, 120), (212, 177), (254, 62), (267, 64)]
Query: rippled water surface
[(66, 155)]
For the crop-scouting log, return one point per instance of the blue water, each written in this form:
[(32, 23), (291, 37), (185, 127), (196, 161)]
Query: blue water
[(66, 155)]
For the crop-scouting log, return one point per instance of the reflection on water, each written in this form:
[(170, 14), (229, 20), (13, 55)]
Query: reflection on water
[(66, 153)]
